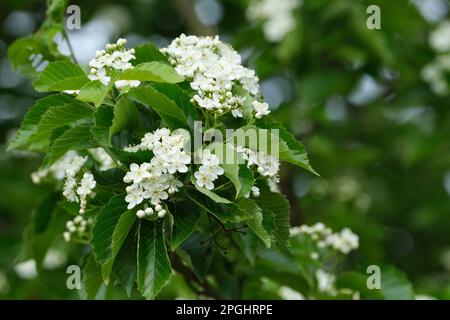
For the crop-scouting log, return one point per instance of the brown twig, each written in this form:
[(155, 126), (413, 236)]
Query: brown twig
[(192, 280)]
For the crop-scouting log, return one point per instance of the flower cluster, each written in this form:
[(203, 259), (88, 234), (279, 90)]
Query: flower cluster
[(343, 241), (209, 170), (216, 74), (267, 165), (73, 190), (255, 192), (440, 38), (77, 226), (58, 169), (100, 155), (115, 57), (155, 180), (435, 72), (276, 15)]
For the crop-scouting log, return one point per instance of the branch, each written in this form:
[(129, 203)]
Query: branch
[(192, 279), (186, 9)]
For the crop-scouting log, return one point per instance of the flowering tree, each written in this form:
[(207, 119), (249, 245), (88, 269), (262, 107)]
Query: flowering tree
[(153, 203)]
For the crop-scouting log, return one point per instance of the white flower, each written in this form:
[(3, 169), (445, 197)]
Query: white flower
[(137, 173), (179, 163), (267, 165), (345, 241), (87, 184), (75, 92), (74, 165), (325, 281), (99, 154), (273, 183), (134, 196), (162, 213), (26, 269), (132, 148), (255, 191), (209, 170), (155, 195), (174, 184), (289, 294), (140, 214), (38, 175), (69, 189), (237, 113), (277, 16), (77, 226), (127, 84), (261, 109), (203, 180), (440, 38)]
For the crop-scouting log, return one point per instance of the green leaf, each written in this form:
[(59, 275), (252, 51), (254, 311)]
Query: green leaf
[(60, 76), (126, 117), (152, 71), (248, 243), (279, 206), (103, 119), (395, 285), (199, 253), (153, 264), (92, 281), (181, 99), (124, 267), (30, 123), (43, 214), (56, 9), (225, 211), (229, 161), (358, 282), (250, 206), (93, 91), (70, 114), (246, 180), (166, 108), (30, 55), (110, 230), (76, 138), (44, 229), (210, 194), (295, 152), (123, 227), (186, 215), (148, 52)]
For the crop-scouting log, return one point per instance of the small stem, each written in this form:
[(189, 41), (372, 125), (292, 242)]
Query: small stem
[(224, 250), (72, 52), (225, 185), (113, 156)]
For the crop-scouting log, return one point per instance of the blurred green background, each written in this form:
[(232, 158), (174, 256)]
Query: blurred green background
[(375, 131)]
